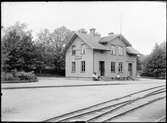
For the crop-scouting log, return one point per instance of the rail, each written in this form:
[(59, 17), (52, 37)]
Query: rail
[(97, 111)]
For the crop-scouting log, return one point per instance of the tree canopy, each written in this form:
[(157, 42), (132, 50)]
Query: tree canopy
[(17, 48), (21, 52), (155, 63), (52, 45)]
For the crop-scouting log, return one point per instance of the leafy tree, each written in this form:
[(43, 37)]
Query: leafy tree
[(18, 50), (155, 63), (139, 63), (60, 38), (43, 43), (52, 46)]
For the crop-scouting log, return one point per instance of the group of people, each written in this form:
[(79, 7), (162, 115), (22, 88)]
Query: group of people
[(97, 77)]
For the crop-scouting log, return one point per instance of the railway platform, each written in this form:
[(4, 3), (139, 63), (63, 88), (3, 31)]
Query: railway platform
[(40, 104), (48, 82)]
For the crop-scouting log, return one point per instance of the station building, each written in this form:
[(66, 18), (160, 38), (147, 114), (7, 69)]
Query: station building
[(108, 56)]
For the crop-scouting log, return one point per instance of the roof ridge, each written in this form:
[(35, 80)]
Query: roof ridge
[(92, 41)]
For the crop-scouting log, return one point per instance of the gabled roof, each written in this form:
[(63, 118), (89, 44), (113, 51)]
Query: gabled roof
[(108, 38), (96, 42), (92, 41), (131, 50), (113, 36), (89, 40)]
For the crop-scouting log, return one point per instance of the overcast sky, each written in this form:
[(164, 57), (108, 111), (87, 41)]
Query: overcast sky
[(143, 23)]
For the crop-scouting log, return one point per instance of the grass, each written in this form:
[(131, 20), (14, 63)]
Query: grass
[(147, 77), (50, 75), (17, 81)]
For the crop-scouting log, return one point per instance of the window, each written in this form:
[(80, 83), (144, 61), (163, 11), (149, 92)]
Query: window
[(112, 66), (120, 51), (113, 52), (73, 67), (73, 50), (82, 66), (120, 67), (83, 49)]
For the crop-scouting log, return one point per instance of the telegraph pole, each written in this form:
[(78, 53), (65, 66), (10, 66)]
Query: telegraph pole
[(121, 23)]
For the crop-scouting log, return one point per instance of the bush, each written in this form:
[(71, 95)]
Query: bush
[(14, 75), (9, 77), (30, 76)]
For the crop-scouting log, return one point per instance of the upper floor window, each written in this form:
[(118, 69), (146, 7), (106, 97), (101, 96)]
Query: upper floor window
[(112, 66), (120, 51), (83, 50), (82, 66), (73, 67), (113, 50), (73, 50), (120, 67)]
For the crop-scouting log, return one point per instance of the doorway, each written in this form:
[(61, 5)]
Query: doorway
[(101, 68), (130, 70)]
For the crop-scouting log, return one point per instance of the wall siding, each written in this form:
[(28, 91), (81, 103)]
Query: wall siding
[(107, 57), (87, 57), (92, 58)]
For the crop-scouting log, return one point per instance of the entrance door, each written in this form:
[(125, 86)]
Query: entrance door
[(101, 68), (130, 70)]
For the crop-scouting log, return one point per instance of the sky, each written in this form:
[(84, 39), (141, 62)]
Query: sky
[(142, 23)]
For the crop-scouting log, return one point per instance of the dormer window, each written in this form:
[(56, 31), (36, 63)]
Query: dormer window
[(73, 50), (113, 50), (120, 51), (83, 50)]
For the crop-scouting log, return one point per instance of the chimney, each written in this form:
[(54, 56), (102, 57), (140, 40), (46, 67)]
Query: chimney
[(111, 33), (92, 31), (82, 30), (97, 35)]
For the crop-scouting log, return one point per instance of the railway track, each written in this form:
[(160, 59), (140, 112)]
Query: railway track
[(162, 119), (111, 109)]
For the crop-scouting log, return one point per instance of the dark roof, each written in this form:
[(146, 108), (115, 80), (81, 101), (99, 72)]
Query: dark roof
[(96, 42), (108, 38), (113, 36), (92, 41), (131, 50)]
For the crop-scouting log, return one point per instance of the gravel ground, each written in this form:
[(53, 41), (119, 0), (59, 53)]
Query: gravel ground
[(39, 104)]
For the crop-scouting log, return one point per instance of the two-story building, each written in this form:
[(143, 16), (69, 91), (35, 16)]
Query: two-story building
[(108, 56)]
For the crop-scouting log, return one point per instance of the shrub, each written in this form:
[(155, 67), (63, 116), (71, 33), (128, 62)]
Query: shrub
[(14, 75), (9, 77), (30, 76)]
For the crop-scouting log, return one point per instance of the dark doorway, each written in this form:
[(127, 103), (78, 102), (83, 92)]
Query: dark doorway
[(101, 68), (130, 71)]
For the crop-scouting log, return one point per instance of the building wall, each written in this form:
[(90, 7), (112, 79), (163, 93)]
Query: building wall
[(87, 57), (107, 57), (92, 58)]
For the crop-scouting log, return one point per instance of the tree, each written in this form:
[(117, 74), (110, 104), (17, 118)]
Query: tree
[(18, 50), (155, 63), (60, 38), (139, 63), (44, 45), (52, 45)]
